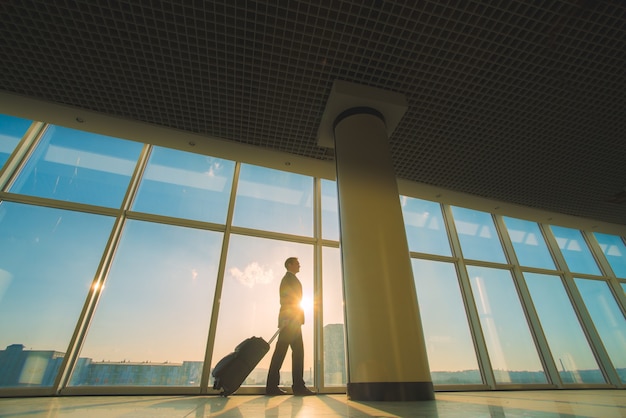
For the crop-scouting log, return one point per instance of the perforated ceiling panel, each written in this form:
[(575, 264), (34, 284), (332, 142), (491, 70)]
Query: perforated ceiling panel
[(521, 101)]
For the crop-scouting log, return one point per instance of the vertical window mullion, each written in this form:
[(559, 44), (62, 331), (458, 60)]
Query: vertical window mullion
[(470, 308), (20, 154), (208, 356), (600, 352), (536, 330), (318, 300), (80, 331)]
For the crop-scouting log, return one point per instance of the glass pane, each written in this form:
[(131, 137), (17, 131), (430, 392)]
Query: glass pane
[(152, 321), (250, 301), (12, 130), (274, 200), (79, 167), (528, 242), (48, 261), (568, 344), (334, 339), (185, 185), (614, 250), (330, 210), (608, 320), (575, 250), (425, 228), (512, 351), (449, 343), (478, 236)]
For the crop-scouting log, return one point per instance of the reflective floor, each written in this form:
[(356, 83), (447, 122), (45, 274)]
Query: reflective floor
[(580, 403)]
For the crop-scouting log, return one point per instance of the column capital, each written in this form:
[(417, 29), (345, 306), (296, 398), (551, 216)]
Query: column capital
[(360, 110), (345, 96)]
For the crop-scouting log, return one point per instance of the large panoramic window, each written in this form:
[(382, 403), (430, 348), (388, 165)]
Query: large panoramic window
[(530, 247), (608, 319), (274, 200), (12, 131), (568, 345), (448, 338), (425, 227), (334, 339), (614, 250), (175, 268), (575, 251), (152, 322), (185, 185), (478, 235), (250, 301), (79, 167), (48, 260), (512, 352)]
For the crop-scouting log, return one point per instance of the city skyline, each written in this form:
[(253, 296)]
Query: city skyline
[(40, 367)]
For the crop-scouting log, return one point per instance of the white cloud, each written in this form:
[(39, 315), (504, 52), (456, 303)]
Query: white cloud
[(5, 281), (252, 274)]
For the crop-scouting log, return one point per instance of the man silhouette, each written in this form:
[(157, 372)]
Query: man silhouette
[(290, 321)]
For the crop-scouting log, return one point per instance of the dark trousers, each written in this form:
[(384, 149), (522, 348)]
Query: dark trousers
[(290, 336)]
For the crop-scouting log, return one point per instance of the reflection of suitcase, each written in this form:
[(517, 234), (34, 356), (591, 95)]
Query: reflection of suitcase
[(232, 370)]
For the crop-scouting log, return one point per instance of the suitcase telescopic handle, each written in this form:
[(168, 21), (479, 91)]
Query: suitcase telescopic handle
[(274, 336)]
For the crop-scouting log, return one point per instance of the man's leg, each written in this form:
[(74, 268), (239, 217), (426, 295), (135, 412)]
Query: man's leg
[(273, 375), (297, 359), (297, 365)]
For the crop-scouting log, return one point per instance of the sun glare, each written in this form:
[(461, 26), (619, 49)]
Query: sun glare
[(307, 304)]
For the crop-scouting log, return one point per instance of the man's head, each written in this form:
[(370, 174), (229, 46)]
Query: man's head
[(292, 264)]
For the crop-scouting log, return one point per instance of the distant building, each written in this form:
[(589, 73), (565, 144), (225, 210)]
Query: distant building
[(23, 368), (334, 355), (90, 373), (19, 368)]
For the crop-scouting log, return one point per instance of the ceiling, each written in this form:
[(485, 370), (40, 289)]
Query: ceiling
[(518, 101)]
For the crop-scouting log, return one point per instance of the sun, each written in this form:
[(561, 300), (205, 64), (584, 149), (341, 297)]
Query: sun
[(307, 304)]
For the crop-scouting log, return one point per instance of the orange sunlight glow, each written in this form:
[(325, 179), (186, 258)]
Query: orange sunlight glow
[(307, 304)]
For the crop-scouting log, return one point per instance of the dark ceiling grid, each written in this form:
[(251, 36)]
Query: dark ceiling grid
[(523, 102)]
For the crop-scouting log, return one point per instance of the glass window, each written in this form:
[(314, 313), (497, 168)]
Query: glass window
[(528, 242), (425, 227), (478, 236), (449, 343), (274, 200), (185, 185), (12, 130), (575, 250), (615, 252), (330, 210), (48, 261), (608, 320), (152, 321), (250, 301), (568, 344), (335, 370), (512, 351), (79, 167)]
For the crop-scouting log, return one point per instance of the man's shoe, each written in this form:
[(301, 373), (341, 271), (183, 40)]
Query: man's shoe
[(274, 392), (303, 391)]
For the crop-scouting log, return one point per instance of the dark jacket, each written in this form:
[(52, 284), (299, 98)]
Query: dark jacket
[(290, 298)]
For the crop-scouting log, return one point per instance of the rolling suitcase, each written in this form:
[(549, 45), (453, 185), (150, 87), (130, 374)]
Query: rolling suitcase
[(230, 372)]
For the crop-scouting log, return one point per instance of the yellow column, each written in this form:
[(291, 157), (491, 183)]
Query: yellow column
[(386, 349)]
